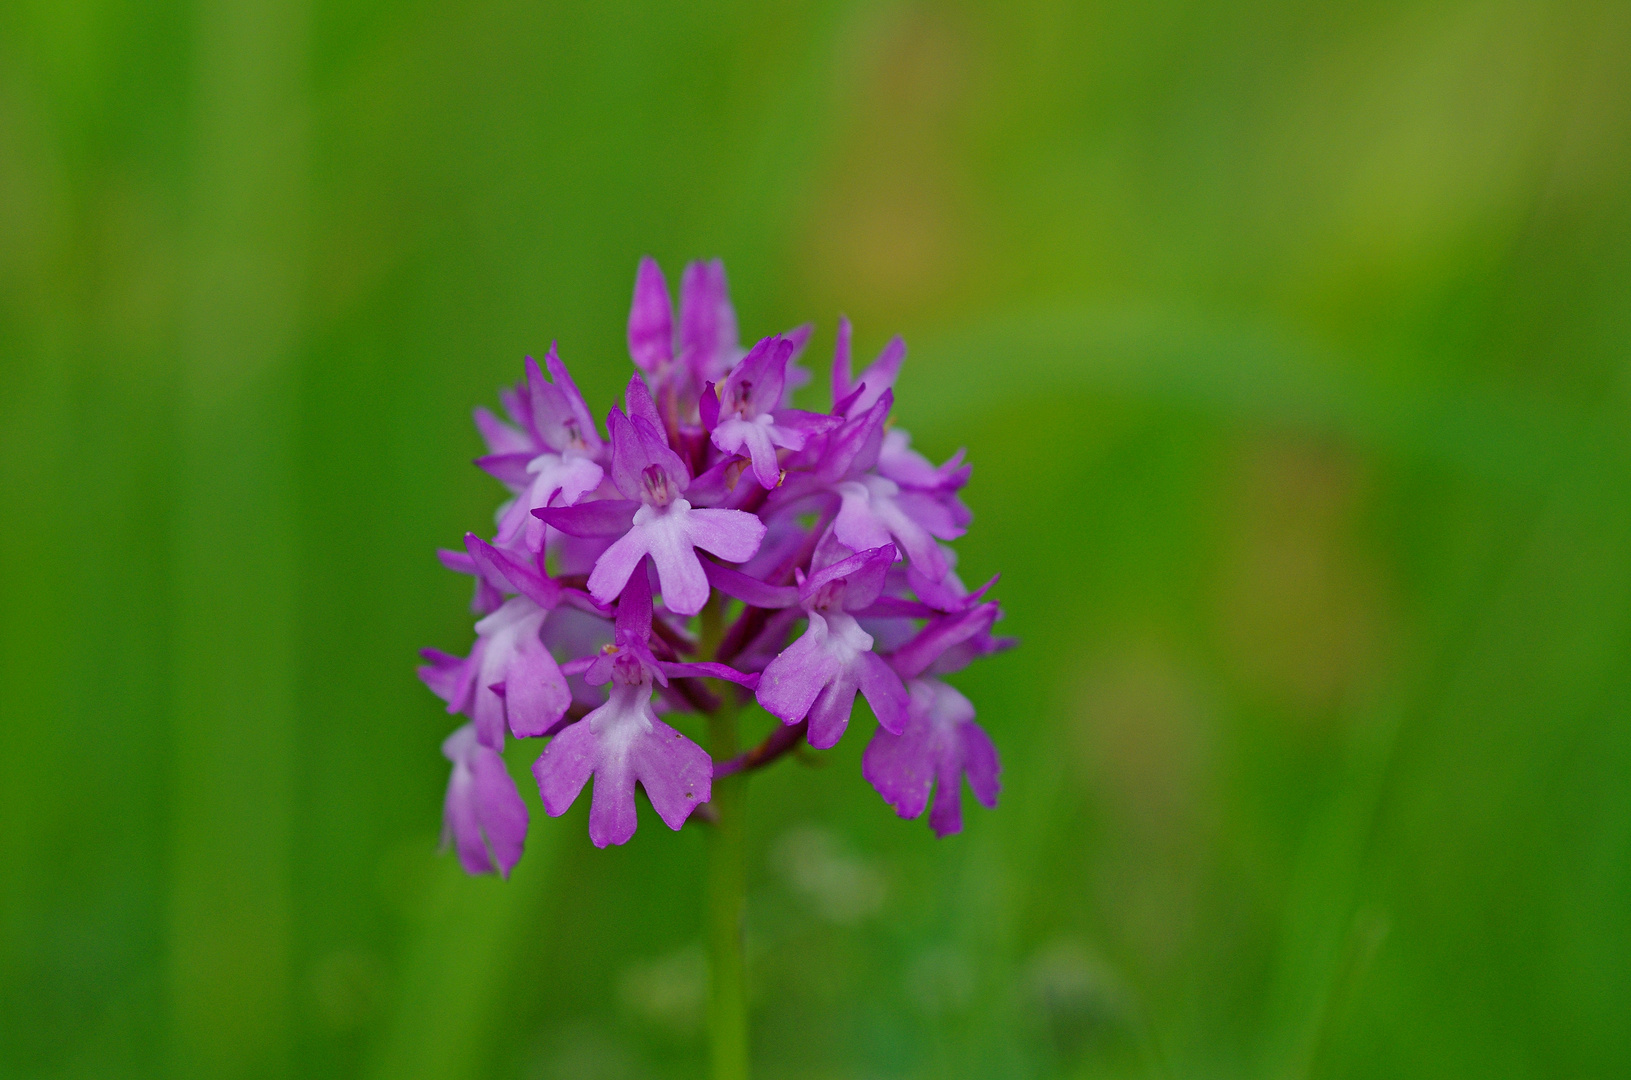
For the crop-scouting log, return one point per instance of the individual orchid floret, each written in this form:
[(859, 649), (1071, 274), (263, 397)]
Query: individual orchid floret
[(654, 519), (631, 645), (623, 743), (483, 816), (818, 676), (509, 679), (940, 741), (874, 510), (558, 466), (938, 746), (852, 397), (744, 414)]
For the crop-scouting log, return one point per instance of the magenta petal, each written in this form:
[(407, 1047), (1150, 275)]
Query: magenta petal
[(762, 452), (754, 385), (512, 654), (900, 769), (707, 320), (639, 406), (884, 691), (858, 525), (841, 384), (582, 421), (733, 535), (460, 824), (638, 445), (560, 419), (829, 714), (982, 764), (873, 510), (601, 518), (854, 447), (684, 584), (753, 440), (617, 562), (793, 680), (499, 809), (896, 607), (509, 571), (565, 766), (558, 480), (508, 469), (612, 813), (939, 743), (634, 609), (914, 658), (536, 694), (708, 406), (500, 437), (623, 743), (879, 378), (457, 561), (749, 590), (862, 575), (807, 423), (446, 676), (797, 338), (483, 813), (707, 669), (946, 815), (676, 773), (651, 318)]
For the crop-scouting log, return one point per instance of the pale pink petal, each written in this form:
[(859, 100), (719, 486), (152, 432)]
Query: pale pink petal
[(617, 562), (565, 766), (676, 773), (733, 535)]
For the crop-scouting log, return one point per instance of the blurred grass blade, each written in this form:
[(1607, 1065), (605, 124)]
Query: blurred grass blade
[(1253, 371), (456, 965), (230, 920)]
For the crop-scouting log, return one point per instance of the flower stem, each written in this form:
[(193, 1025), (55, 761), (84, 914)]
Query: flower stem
[(727, 885), (727, 1002)]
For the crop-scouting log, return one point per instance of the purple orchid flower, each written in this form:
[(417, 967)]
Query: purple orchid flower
[(622, 742), (940, 742), (818, 676), (483, 816), (656, 520), (745, 415), (509, 678), (557, 466), (939, 745), (874, 510)]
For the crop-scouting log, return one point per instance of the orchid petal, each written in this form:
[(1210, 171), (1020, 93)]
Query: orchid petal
[(651, 318)]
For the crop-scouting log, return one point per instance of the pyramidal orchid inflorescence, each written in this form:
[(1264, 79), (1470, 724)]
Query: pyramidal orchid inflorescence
[(812, 544)]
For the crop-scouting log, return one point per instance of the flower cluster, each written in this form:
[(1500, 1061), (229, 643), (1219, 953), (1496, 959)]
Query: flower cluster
[(815, 542)]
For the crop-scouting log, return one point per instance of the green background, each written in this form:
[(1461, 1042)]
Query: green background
[(1289, 342)]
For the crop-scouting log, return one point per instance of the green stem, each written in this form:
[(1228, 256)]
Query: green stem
[(727, 886), (727, 1001)]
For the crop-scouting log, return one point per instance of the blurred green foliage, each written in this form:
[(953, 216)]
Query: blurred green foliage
[(1289, 342)]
